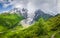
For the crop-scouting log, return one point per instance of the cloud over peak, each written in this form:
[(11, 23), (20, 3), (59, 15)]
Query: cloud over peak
[(48, 6)]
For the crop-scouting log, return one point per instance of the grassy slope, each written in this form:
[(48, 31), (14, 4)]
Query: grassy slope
[(8, 21), (40, 29)]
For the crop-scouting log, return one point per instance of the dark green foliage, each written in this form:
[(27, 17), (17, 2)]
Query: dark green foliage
[(34, 31), (40, 29), (9, 21), (54, 22)]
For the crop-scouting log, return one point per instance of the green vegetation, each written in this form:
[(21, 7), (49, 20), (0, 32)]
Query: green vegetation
[(40, 29), (8, 21)]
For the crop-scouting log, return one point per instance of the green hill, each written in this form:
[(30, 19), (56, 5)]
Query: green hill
[(8, 21), (40, 29)]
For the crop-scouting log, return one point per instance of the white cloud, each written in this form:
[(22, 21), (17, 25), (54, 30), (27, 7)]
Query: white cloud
[(18, 6), (5, 5), (31, 9), (48, 6), (58, 7)]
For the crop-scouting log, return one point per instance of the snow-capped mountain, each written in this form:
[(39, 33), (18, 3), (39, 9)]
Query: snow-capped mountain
[(14, 10), (39, 13), (19, 11), (29, 20)]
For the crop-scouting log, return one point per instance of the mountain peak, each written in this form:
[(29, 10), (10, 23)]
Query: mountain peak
[(39, 13)]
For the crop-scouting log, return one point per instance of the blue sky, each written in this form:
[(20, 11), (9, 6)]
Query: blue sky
[(2, 8), (48, 6)]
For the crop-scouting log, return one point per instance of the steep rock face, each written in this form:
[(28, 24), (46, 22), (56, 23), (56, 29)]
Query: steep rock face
[(33, 17), (36, 15), (15, 10), (24, 13), (19, 11), (39, 13)]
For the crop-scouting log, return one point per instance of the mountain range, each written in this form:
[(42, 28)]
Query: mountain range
[(37, 14)]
